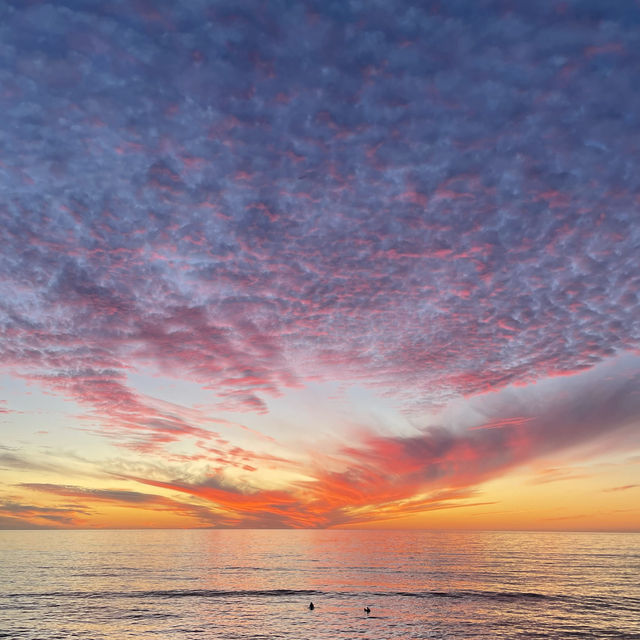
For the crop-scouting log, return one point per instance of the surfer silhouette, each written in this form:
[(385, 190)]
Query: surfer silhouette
[(311, 606), (367, 610)]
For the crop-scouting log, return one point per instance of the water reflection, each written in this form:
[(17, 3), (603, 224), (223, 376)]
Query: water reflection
[(258, 584)]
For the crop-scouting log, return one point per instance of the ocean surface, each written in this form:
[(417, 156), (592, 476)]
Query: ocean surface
[(258, 584)]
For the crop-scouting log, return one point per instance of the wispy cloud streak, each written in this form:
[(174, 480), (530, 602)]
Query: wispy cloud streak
[(384, 477), (121, 497)]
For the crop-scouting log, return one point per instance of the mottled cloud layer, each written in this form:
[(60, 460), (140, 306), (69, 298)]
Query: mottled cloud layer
[(429, 199)]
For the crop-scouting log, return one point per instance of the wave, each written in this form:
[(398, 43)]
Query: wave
[(618, 602), (169, 593), (216, 593), (470, 594), (252, 593)]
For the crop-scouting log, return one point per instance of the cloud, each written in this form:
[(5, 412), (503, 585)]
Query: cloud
[(254, 508), (384, 477), (201, 514), (140, 423), (10, 522), (554, 474), (377, 476), (591, 408), (10, 459), (344, 198), (433, 204), (14, 515), (625, 487)]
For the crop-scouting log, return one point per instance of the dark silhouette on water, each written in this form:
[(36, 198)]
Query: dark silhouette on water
[(311, 606), (367, 610)]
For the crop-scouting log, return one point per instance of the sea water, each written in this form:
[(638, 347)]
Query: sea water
[(199, 584)]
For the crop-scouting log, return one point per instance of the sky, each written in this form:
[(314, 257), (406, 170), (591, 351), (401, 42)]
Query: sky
[(320, 264)]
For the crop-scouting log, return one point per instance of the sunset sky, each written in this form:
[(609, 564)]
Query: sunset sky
[(327, 263)]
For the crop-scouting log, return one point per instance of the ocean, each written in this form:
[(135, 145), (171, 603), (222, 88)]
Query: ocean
[(257, 584)]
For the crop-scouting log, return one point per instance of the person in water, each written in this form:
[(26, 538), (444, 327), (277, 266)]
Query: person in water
[(311, 606), (367, 610)]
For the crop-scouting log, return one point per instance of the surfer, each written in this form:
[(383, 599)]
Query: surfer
[(367, 610), (311, 606)]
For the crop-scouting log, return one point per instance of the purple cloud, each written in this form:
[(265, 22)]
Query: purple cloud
[(429, 202)]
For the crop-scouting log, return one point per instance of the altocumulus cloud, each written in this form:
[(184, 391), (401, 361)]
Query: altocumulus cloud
[(430, 198)]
